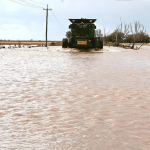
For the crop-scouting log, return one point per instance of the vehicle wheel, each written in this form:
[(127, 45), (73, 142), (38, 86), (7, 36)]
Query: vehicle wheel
[(96, 49), (64, 43), (70, 44), (101, 44)]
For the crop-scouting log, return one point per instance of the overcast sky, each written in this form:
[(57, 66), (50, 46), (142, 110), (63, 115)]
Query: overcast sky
[(24, 23)]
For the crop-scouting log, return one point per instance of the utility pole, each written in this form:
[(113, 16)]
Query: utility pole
[(46, 24)]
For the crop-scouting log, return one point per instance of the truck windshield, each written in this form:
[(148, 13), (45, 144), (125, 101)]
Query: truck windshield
[(82, 30)]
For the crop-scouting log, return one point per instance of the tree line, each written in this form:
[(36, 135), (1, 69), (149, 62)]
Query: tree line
[(127, 33)]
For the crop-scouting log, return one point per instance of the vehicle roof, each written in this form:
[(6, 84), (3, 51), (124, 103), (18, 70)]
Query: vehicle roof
[(82, 20)]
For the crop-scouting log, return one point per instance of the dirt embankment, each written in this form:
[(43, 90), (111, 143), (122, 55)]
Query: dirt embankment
[(50, 43)]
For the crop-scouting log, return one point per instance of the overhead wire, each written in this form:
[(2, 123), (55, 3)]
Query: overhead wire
[(37, 2), (25, 4), (35, 6), (54, 22), (57, 19), (30, 4)]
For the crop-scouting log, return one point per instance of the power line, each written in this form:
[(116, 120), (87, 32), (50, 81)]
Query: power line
[(38, 2), (56, 18), (54, 22), (24, 4), (30, 4), (35, 6)]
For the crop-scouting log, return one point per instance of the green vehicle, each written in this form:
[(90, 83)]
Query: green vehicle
[(82, 34)]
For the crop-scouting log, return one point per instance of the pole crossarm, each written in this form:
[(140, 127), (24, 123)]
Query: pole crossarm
[(46, 9)]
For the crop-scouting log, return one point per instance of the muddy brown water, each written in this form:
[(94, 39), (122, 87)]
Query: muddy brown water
[(52, 100)]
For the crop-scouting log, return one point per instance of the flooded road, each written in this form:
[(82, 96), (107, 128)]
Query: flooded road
[(53, 100)]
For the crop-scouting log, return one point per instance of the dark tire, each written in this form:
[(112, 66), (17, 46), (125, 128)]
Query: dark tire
[(101, 44), (70, 44), (64, 43), (96, 49)]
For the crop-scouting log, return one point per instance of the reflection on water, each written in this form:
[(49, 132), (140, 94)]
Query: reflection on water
[(73, 101)]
